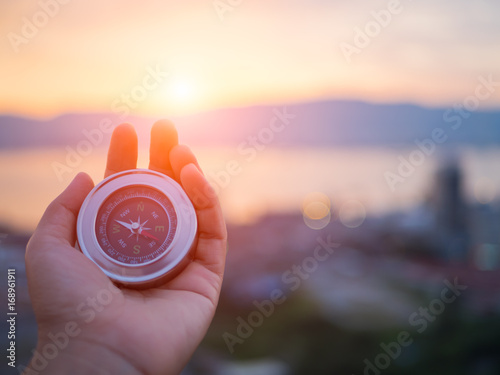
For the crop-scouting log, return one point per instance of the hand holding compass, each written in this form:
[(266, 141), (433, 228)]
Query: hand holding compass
[(116, 329)]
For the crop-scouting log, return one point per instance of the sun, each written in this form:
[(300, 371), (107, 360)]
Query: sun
[(179, 95), (181, 90)]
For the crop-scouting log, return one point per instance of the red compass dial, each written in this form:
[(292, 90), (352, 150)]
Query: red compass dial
[(136, 225)]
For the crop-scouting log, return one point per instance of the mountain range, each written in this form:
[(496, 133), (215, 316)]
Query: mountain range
[(315, 124)]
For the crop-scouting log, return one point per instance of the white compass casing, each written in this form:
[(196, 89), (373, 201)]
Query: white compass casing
[(165, 265)]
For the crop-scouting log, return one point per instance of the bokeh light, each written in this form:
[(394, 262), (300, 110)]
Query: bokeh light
[(485, 191), (316, 210), (352, 213)]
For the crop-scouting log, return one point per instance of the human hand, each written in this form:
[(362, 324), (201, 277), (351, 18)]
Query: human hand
[(97, 327)]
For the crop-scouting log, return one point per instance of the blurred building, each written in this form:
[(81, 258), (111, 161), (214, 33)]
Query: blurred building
[(451, 213)]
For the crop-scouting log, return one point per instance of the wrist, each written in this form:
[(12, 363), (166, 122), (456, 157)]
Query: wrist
[(79, 357)]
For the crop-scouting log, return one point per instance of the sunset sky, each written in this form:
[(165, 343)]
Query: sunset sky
[(84, 56)]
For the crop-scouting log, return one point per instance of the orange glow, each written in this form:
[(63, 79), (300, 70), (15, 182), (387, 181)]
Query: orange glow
[(68, 67)]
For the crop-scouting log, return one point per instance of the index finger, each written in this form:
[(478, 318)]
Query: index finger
[(122, 153)]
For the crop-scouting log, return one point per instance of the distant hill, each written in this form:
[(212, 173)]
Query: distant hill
[(317, 124)]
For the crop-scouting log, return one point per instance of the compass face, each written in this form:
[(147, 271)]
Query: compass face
[(139, 227), (136, 225)]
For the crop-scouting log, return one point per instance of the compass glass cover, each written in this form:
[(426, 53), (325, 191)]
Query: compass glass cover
[(135, 225)]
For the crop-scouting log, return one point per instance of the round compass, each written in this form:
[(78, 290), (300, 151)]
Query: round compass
[(138, 226)]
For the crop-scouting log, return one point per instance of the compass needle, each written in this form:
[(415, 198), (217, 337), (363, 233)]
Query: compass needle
[(147, 234), (126, 225)]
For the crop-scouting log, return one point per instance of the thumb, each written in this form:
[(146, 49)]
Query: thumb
[(58, 223)]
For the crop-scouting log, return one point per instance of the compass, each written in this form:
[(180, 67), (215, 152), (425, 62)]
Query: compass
[(139, 227)]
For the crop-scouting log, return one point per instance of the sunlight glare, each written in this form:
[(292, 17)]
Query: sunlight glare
[(181, 91)]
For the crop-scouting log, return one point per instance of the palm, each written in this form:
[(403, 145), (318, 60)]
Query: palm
[(169, 320)]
